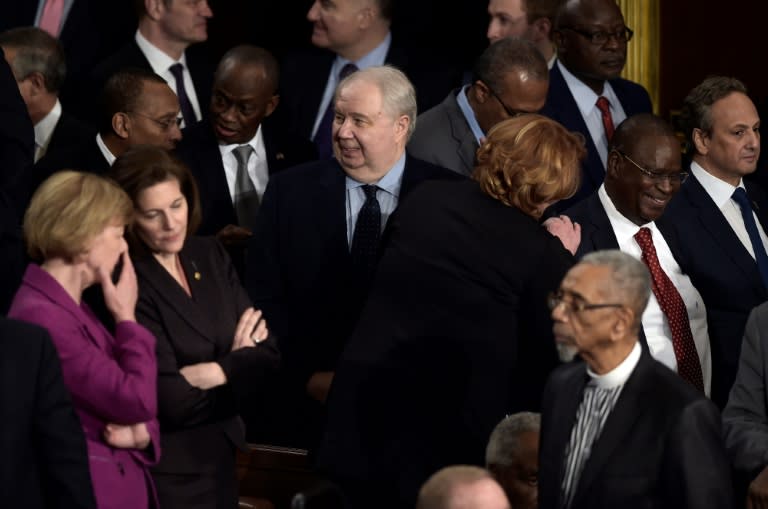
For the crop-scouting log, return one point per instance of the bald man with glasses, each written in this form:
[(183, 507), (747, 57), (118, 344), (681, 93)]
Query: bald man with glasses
[(626, 212)]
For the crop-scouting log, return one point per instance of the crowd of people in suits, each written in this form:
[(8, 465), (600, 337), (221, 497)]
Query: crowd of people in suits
[(500, 288)]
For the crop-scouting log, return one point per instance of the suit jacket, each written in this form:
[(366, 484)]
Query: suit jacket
[(12, 258), (298, 261), (443, 137), (661, 445), (199, 149), (130, 55), (455, 335), (111, 379), (561, 106), (303, 77), (45, 460), (722, 270), (198, 424), (82, 155), (745, 417)]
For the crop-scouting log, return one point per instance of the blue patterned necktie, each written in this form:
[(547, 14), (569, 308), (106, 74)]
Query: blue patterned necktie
[(365, 241)]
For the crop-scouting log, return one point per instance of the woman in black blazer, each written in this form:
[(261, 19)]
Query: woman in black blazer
[(213, 349)]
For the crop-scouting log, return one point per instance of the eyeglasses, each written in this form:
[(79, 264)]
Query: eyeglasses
[(165, 124), (510, 111), (600, 37), (574, 303), (673, 178)]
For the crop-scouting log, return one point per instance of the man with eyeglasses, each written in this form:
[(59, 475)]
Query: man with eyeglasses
[(586, 93), (137, 107), (620, 429), (722, 219), (626, 213), (510, 78)]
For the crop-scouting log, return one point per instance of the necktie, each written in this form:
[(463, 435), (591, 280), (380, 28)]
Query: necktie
[(323, 136), (246, 197), (605, 111), (673, 307), (740, 197), (365, 241), (187, 111), (50, 19)]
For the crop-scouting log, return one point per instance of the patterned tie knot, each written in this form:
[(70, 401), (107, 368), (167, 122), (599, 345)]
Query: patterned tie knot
[(370, 191), (605, 112), (242, 154), (603, 104), (644, 238)]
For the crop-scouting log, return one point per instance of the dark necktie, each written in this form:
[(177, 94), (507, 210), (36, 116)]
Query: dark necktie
[(365, 241), (605, 111), (246, 197), (745, 206), (181, 92), (673, 307), (324, 134)]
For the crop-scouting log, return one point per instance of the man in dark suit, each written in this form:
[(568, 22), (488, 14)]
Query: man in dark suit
[(17, 137), (137, 108), (352, 33), (586, 94), (620, 429), (244, 96), (316, 239), (721, 220), (511, 77), (37, 61), (166, 43), (644, 173), (45, 461)]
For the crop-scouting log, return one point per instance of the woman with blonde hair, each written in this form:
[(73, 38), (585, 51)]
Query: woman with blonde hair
[(74, 227), (456, 331)]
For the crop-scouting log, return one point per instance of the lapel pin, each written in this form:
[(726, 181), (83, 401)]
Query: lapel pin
[(279, 156)]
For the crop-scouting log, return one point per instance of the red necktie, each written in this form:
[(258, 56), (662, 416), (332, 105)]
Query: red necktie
[(688, 366), (605, 111), (50, 19)]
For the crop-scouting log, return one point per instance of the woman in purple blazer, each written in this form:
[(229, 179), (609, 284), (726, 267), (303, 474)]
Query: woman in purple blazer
[(74, 226)]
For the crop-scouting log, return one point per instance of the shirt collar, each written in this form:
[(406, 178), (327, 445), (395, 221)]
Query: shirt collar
[(44, 128), (257, 143), (377, 56), (109, 156), (469, 114), (719, 190), (618, 375), (585, 97), (158, 60), (390, 182), (623, 228)]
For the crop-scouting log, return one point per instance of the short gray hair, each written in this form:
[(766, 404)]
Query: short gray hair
[(629, 280), (504, 443), (397, 93), (36, 51)]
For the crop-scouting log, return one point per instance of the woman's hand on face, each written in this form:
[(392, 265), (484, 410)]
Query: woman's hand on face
[(566, 230), (251, 329), (121, 298), (204, 375)]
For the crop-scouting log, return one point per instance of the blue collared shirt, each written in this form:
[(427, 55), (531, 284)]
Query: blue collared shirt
[(388, 195), (469, 114)]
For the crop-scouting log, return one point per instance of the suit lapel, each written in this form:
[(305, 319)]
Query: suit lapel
[(174, 295), (602, 236), (331, 211), (465, 139), (619, 424), (713, 221)]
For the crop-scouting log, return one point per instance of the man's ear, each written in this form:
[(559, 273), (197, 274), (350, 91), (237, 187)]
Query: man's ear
[(541, 29), (481, 91), (614, 159), (154, 8), (402, 124), (271, 105), (37, 83), (700, 141), (623, 324), (121, 125)]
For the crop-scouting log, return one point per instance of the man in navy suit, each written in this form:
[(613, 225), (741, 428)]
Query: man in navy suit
[(306, 269), (166, 42), (244, 96), (644, 173), (591, 40), (353, 32), (620, 429), (721, 219)]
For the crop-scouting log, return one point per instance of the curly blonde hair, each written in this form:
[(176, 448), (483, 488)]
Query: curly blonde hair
[(529, 161)]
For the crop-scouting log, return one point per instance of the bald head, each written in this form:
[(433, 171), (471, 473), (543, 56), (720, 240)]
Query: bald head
[(462, 487), (637, 127)]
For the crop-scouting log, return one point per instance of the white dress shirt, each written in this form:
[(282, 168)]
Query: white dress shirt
[(109, 156), (586, 100), (721, 192), (161, 64), (655, 323), (258, 169), (44, 130)]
